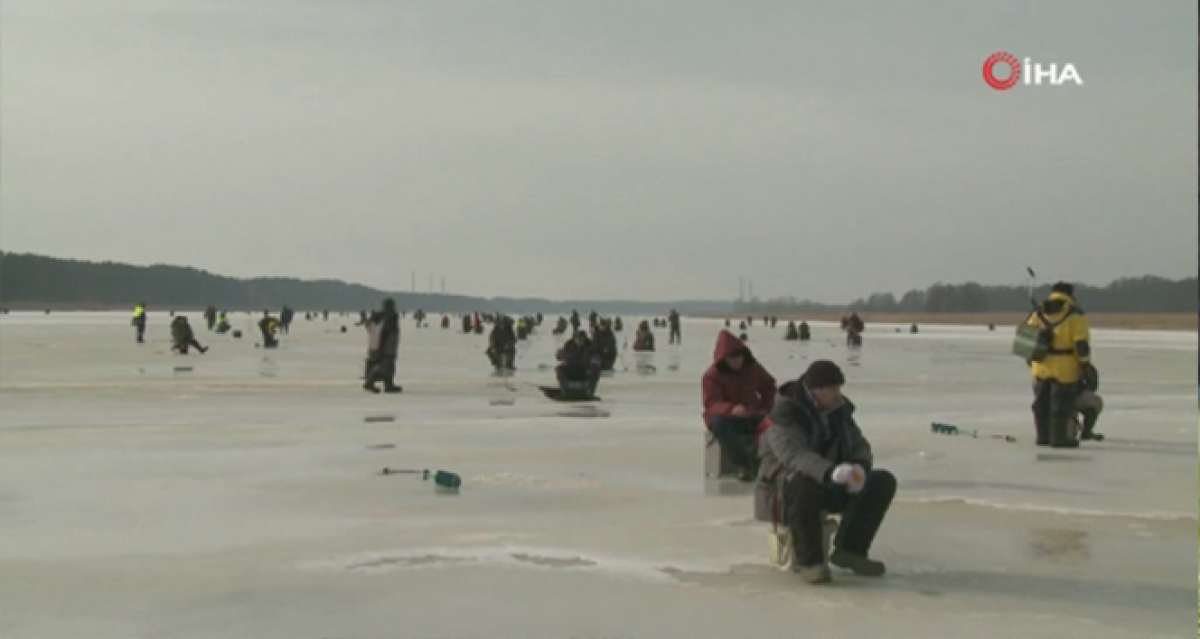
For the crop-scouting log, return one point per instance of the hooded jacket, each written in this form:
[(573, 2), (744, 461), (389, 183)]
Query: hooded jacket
[(723, 388), (576, 356), (1070, 348), (800, 439)]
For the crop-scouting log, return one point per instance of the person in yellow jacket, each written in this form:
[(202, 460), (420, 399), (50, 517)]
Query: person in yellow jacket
[(139, 321), (1057, 371)]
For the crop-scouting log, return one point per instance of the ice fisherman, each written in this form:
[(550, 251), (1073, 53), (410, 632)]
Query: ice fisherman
[(605, 343), (736, 392), (816, 460), (502, 345), (268, 326), (578, 362), (1064, 331), (139, 321), (643, 339), (182, 336), (383, 343)]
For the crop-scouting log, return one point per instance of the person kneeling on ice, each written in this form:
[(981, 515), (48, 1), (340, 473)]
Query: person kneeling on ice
[(1089, 404), (579, 370), (737, 393), (182, 336), (815, 460)]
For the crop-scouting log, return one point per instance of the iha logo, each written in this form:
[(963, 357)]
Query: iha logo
[(1027, 72)]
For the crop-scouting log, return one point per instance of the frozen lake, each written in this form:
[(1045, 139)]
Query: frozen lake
[(242, 498)]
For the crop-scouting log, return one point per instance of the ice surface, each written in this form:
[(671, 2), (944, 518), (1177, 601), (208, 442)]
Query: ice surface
[(242, 498)]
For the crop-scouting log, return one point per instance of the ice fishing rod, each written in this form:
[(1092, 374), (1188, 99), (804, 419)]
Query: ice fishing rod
[(950, 429), (1032, 285)]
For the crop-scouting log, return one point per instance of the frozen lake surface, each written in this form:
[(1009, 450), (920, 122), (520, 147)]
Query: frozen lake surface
[(242, 498)]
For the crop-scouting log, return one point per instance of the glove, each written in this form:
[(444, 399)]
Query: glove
[(852, 476)]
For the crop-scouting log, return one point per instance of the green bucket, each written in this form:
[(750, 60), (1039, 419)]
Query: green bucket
[(1025, 343)]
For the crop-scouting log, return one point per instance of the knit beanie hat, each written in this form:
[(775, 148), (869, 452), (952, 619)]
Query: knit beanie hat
[(823, 373)]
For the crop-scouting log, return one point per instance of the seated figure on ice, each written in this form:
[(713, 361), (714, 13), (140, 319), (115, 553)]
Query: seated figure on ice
[(579, 368), (737, 393), (815, 460)]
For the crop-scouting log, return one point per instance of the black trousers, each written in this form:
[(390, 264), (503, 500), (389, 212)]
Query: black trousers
[(381, 368), (736, 435), (862, 514), (141, 331), (675, 337), (1053, 408)]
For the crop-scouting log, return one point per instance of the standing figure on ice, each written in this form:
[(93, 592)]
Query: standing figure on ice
[(502, 345), (383, 343), (605, 343), (676, 337), (139, 321), (1058, 365)]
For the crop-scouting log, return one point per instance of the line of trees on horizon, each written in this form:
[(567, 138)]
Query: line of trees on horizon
[(36, 281), (1146, 294)]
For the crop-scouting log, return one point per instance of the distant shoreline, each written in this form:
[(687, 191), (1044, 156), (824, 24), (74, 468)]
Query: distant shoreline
[(1132, 321)]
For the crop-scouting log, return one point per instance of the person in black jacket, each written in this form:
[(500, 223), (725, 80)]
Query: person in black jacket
[(605, 342), (502, 345), (815, 459), (182, 336), (578, 363), (383, 344)]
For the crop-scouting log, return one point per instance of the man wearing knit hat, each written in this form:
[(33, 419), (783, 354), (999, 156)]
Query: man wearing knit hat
[(815, 459)]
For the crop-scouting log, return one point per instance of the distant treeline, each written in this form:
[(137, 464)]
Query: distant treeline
[(1148, 294), (35, 282)]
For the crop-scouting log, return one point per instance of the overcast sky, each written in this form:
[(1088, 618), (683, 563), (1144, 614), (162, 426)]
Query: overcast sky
[(602, 149)]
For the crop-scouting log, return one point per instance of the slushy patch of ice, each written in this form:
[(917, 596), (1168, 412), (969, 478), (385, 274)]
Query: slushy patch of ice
[(411, 561), (1156, 515), (584, 411), (554, 562), (930, 484), (536, 481), (1057, 544), (522, 557), (1058, 457)]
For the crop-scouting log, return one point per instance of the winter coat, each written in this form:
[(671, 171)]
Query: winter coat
[(576, 356), (1070, 348), (722, 388), (800, 439)]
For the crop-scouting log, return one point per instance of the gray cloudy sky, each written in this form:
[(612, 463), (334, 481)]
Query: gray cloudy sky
[(601, 149)]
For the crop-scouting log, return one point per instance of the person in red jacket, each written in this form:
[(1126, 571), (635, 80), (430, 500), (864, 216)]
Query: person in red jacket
[(737, 393)]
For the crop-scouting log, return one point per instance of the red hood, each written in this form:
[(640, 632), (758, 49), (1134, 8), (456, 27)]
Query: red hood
[(727, 345)]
